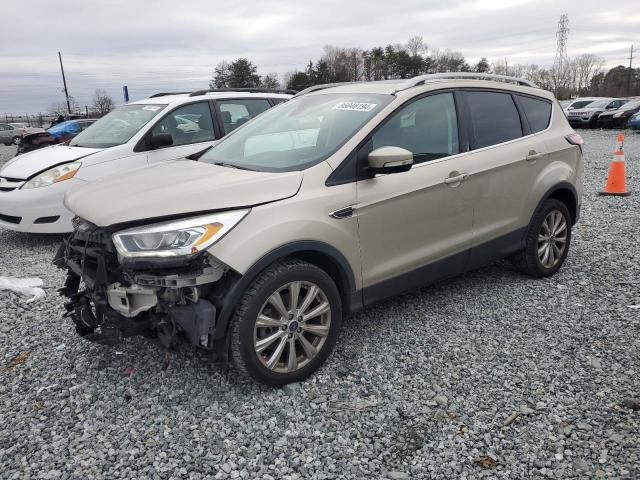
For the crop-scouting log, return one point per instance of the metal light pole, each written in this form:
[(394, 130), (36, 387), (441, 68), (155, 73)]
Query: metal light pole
[(64, 82)]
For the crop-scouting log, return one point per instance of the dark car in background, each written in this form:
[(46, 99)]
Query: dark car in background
[(60, 133), (588, 116), (618, 118)]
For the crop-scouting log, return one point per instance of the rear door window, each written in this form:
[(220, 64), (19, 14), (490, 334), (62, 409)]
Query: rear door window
[(494, 118), (538, 112), (235, 113)]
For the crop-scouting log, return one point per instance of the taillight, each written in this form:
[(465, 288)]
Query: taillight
[(575, 139)]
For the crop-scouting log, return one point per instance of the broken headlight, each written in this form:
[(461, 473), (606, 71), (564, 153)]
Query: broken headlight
[(176, 238)]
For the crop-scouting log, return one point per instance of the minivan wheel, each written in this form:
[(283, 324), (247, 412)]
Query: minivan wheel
[(286, 323), (547, 241)]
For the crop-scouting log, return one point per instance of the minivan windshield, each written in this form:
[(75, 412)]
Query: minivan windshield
[(297, 134), (117, 127)]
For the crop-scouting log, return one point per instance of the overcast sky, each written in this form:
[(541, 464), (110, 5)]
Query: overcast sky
[(157, 45)]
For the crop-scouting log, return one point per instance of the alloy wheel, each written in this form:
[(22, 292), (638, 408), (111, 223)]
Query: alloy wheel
[(292, 326), (552, 239)]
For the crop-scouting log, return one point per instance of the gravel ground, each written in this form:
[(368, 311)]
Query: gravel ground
[(490, 375)]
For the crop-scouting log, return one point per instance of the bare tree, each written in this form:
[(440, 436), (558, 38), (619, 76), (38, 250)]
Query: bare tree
[(60, 108), (270, 80), (585, 67), (102, 102), (416, 46)]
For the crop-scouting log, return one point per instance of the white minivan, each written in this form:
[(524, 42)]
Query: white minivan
[(163, 127)]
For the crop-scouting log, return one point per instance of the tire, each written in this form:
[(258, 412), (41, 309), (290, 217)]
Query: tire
[(294, 332), (15, 140), (529, 261)]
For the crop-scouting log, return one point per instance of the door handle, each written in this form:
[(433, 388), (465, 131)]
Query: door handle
[(533, 156), (455, 178)]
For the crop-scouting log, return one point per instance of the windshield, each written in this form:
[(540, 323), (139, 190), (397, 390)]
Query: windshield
[(117, 127), (297, 134), (580, 104), (631, 105), (599, 104)]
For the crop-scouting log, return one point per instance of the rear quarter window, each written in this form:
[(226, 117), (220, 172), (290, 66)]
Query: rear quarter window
[(494, 118), (538, 112)]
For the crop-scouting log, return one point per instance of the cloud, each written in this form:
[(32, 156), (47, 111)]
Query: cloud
[(164, 44)]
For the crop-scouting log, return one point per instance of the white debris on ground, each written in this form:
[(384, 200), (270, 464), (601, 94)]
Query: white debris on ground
[(30, 287)]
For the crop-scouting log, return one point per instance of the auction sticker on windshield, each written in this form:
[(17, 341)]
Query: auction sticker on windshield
[(356, 106)]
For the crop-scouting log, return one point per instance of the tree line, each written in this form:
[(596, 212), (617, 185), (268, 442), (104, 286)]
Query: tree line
[(582, 75)]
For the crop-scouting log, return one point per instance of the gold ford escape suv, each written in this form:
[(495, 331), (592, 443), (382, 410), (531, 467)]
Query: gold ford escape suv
[(338, 198)]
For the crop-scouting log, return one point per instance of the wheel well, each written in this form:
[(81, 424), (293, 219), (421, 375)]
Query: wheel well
[(567, 197), (333, 269)]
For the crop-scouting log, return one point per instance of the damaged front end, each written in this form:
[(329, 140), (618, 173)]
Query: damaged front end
[(111, 297)]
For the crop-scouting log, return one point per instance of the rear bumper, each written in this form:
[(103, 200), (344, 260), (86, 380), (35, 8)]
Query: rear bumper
[(39, 210)]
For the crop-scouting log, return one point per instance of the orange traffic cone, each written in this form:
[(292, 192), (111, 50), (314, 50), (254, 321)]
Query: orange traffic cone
[(617, 180)]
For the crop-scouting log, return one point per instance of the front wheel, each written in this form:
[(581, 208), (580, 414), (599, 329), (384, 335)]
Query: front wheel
[(547, 241), (286, 323), (16, 140)]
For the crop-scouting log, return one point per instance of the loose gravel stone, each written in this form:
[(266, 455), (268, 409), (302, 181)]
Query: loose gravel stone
[(562, 354)]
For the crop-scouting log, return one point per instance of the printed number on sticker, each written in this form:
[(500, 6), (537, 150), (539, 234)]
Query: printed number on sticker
[(356, 106)]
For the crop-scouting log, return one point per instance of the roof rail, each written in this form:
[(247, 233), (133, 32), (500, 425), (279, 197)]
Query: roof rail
[(315, 88), (164, 94), (247, 90), (421, 79)]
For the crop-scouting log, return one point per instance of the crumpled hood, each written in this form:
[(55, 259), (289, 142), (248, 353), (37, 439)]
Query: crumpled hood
[(177, 188), (27, 165)]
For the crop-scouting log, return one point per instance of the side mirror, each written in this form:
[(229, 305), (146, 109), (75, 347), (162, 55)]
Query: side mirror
[(161, 140), (390, 160)]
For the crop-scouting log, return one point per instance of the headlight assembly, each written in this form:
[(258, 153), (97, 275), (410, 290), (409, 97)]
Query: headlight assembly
[(53, 175), (176, 238)]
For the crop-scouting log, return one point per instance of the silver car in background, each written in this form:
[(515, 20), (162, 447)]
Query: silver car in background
[(11, 133)]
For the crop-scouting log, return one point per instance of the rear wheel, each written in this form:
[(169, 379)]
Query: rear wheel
[(547, 241), (286, 324)]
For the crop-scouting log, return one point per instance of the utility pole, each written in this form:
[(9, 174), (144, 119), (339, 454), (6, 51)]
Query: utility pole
[(64, 82), (630, 71), (506, 67)]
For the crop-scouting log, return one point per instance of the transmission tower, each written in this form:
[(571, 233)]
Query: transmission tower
[(561, 61)]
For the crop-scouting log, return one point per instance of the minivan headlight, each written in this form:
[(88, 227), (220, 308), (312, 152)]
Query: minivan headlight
[(176, 238), (53, 175)]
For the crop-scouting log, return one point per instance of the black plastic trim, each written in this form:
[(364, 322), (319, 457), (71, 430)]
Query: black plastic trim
[(10, 219), (51, 219), (563, 186), (236, 290), (448, 267)]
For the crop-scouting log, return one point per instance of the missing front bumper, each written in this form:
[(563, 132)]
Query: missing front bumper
[(115, 303)]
